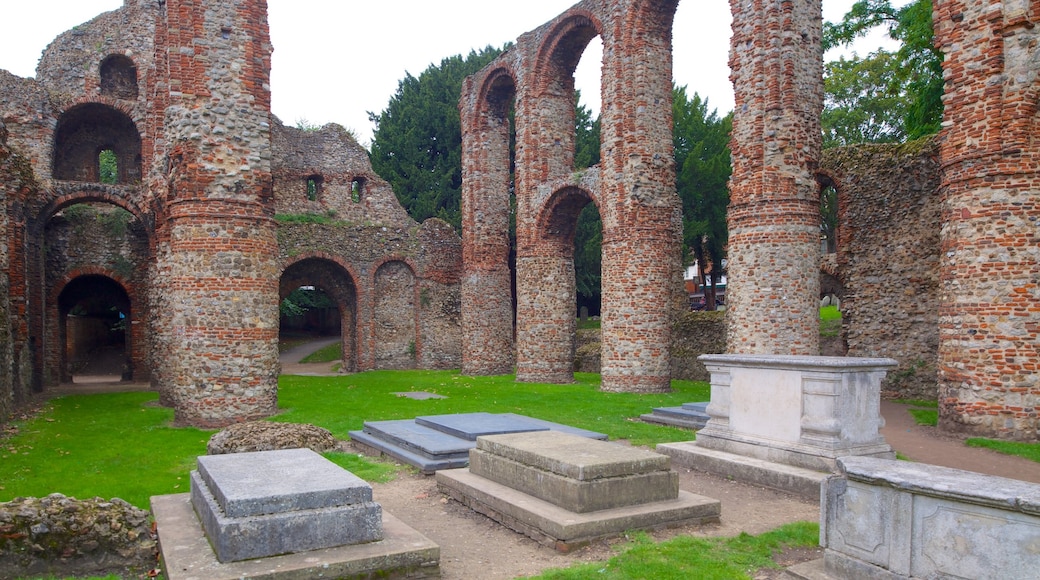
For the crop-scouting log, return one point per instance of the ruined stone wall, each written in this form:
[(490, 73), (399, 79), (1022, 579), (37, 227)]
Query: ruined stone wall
[(7, 178), (395, 282), (989, 352), (633, 189), (776, 65), (888, 257)]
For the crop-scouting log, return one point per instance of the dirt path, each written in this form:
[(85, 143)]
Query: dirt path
[(928, 445)]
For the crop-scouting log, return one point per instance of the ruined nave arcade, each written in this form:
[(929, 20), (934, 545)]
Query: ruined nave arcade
[(206, 256)]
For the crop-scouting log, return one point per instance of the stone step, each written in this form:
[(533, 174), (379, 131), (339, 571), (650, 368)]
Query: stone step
[(688, 416), (700, 407), (419, 438), (425, 465), (575, 473)]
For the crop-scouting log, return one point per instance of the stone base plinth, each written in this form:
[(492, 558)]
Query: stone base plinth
[(187, 554), (573, 472), (565, 490), (564, 530), (256, 505)]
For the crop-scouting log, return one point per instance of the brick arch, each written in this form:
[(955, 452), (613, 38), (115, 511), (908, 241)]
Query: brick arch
[(558, 216), (339, 280), (56, 364), (84, 129), (558, 55), (62, 198)]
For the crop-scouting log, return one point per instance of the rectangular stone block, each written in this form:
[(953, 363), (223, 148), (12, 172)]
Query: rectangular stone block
[(574, 457), (579, 496), (884, 518), (269, 482), (256, 505)]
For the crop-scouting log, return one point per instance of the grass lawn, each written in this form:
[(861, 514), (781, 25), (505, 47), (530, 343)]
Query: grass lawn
[(688, 557), (122, 444), (328, 353)]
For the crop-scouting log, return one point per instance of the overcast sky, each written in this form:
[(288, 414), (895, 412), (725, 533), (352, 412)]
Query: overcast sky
[(336, 60)]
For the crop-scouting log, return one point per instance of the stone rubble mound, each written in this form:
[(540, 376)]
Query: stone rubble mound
[(63, 536), (268, 436)]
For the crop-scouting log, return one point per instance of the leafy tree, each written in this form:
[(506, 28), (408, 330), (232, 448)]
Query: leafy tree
[(887, 96), (305, 298), (417, 144), (702, 167), (108, 168)]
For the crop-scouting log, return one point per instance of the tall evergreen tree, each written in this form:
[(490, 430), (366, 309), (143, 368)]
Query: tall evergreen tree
[(588, 234), (417, 143)]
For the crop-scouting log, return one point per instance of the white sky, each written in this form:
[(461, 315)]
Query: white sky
[(336, 60)]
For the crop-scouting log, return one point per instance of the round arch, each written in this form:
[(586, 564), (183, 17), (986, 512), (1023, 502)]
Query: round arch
[(337, 280), (86, 130)]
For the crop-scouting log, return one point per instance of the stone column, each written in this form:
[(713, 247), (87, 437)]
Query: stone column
[(487, 296), (216, 260), (989, 316), (776, 64), (641, 211)]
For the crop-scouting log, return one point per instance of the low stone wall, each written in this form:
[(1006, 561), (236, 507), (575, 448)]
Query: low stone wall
[(896, 519), (62, 536), (693, 334)]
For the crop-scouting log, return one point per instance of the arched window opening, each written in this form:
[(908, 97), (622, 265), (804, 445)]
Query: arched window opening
[(84, 133), (314, 186), (828, 218), (108, 166), (357, 189), (118, 77), (94, 320)]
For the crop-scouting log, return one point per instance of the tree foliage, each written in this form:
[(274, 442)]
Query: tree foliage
[(702, 170), (417, 143), (588, 234), (305, 298), (885, 96)]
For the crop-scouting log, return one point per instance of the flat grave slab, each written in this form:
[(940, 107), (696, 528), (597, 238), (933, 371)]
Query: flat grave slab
[(267, 503), (419, 438), (269, 482), (420, 395), (573, 456), (469, 426)]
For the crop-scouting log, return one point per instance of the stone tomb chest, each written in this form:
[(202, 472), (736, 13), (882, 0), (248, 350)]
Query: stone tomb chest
[(565, 490), (255, 505)]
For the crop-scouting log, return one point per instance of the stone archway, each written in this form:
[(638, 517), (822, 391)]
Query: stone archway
[(87, 130), (336, 281), (395, 340), (94, 315)]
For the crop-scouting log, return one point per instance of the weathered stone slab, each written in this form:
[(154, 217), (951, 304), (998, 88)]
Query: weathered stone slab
[(579, 496), (469, 426), (261, 504), (883, 519), (563, 529), (268, 482), (419, 438), (188, 555), (574, 457), (688, 416)]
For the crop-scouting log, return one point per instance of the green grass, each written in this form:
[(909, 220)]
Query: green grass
[(588, 324), (926, 417), (688, 557), (342, 404), (830, 321), (107, 445), (1030, 451), (122, 444), (830, 313), (332, 352)]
